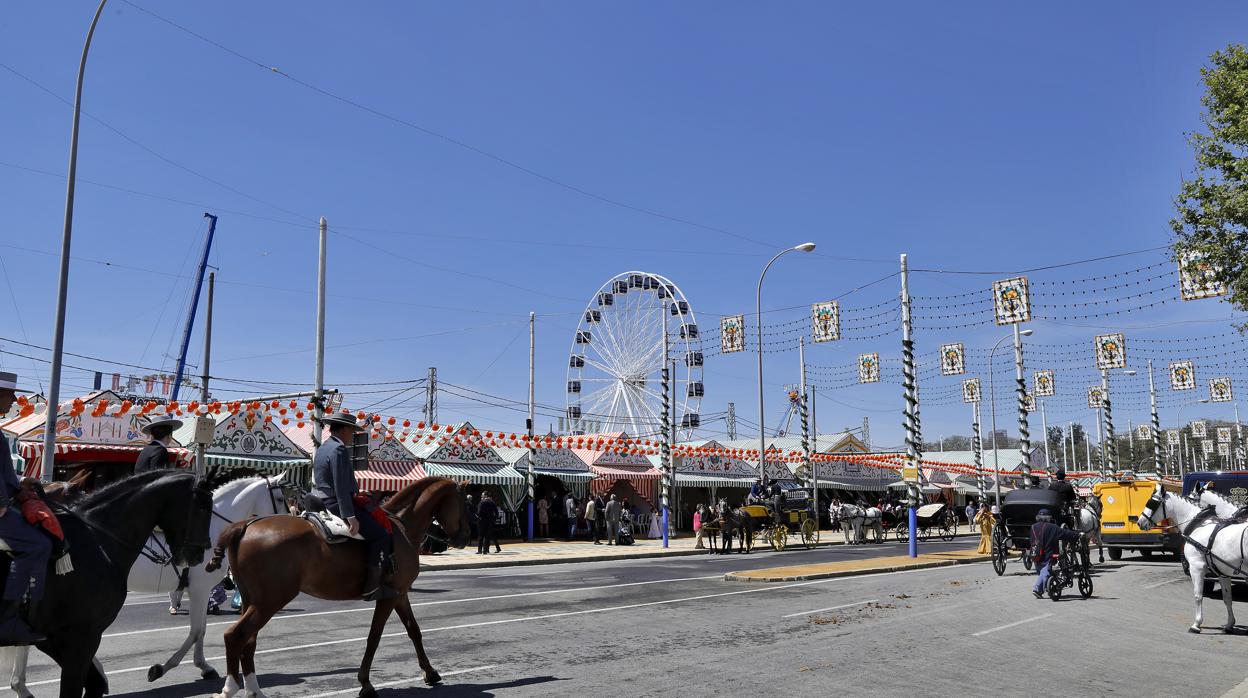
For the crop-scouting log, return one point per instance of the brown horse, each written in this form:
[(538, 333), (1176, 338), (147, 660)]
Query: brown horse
[(275, 558)]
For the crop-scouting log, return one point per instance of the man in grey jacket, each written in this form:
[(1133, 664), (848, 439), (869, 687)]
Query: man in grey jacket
[(613, 519), (333, 481)]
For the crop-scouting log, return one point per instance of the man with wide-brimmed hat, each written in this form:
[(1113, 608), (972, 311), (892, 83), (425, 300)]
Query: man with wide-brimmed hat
[(333, 483), (31, 547), (155, 455)]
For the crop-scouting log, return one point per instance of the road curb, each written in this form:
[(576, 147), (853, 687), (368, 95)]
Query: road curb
[(832, 574)]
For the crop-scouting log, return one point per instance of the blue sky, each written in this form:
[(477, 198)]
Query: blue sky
[(691, 140)]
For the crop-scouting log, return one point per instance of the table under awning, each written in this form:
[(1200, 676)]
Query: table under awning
[(388, 476)]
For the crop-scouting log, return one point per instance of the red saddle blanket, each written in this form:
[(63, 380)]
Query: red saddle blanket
[(37, 513)]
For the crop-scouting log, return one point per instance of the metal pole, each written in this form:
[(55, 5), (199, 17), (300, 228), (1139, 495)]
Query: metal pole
[(532, 479), (1239, 438), (977, 444), (318, 400), (201, 449), (190, 317), (1044, 427), (1065, 453), (992, 410), (667, 429), (762, 422), (62, 290), (1100, 437), (1087, 445), (1162, 464), (804, 414), (1111, 445), (814, 446), (1130, 445), (910, 384), (1182, 450), (1024, 434)]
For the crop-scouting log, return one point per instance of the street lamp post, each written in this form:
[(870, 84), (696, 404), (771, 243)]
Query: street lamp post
[(62, 290), (762, 424), (992, 409), (1107, 411)]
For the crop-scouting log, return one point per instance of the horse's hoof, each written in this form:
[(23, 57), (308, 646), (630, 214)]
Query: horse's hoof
[(154, 672), (432, 678), (1194, 629), (1228, 629), (369, 692), (211, 675)]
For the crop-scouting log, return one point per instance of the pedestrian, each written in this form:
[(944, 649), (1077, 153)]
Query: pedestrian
[(473, 523), (543, 518), (600, 518), (569, 509), (500, 525), (970, 512), (155, 455), (984, 519), (487, 514), (591, 517), (697, 528), (656, 523), (1046, 539), (613, 519)]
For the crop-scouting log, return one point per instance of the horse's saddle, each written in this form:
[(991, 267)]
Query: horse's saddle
[(332, 528)]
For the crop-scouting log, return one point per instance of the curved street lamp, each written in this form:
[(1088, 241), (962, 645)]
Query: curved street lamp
[(762, 424), (992, 408)]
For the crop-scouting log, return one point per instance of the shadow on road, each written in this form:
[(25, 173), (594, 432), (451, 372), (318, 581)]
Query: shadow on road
[(201, 687), (468, 690)]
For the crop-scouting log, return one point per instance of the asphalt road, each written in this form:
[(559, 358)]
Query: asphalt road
[(674, 627)]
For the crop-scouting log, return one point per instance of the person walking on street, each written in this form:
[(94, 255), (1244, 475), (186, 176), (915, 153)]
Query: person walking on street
[(613, 509), (543, 518), (569, 510), (1046, 538), (487, 514), (591, 517), (984, 519), (970, 513)]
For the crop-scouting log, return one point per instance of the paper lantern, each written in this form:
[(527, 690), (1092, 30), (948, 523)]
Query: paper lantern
[(407, 423)]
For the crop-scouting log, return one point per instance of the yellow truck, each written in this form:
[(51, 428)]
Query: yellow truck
[(1121, 504)]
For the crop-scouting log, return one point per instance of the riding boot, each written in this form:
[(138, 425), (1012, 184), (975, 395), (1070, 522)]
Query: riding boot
[(374, 590), (13, 629)]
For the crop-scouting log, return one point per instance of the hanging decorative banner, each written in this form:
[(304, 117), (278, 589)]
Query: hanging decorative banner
[(1042, 384), (1198, 278), (1224, 449), (1172, 437), (869, 368), (1096, 397), (1224, 435), (1198, 430), (732, 334), (1144, 431), (952, 359), (1220, 390), (825, 321), (1029, 402), (1012, 300), (970, 390), (1182, 375), (1207, 445), (1111, 351)]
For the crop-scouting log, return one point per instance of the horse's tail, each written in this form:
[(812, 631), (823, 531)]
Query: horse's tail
[(227, 543)]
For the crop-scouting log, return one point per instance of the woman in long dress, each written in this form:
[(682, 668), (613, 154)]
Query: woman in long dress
[(656, 523), (543, 518), (984, 520)]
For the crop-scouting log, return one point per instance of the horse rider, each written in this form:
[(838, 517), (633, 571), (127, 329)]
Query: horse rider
[(776, 501), (756, 492), (155, 455), (30, 546), (1067, 491), (333, 483)]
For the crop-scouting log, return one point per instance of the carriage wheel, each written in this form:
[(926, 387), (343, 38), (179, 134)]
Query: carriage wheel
[(998, 557), (810, 533), (947, 532), (779, 537), (1085, 585), (1028, 563), (902, 532), (924, 533), (1054, 587)]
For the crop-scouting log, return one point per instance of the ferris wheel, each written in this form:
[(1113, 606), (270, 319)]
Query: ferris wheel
[(616, 362)]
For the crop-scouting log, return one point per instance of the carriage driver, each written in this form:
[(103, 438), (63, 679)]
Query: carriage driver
[(1067, 491), (333, 483), (31, 547)]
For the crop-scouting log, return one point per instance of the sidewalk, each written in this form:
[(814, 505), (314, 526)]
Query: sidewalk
[(555, 552), (849, 568)]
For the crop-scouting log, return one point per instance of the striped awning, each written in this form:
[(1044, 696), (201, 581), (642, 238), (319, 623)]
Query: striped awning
[(568, 476), (388, 476), (640, 477), (32, 451), (877, 486), (712, 480), (261, 464), (476, 474)]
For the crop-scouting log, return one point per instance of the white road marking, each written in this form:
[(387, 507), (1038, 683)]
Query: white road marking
[(1010, 625), (525, 574), (831, 608), (1162, 584), (145, 603), (326, 643), (400, 681)]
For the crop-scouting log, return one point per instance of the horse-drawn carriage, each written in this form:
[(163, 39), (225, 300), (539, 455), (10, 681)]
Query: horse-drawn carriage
[(930, 519), (768, 527), (1012, 534)]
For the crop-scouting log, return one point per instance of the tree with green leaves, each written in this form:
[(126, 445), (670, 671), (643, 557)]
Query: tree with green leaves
[(1212, 207)]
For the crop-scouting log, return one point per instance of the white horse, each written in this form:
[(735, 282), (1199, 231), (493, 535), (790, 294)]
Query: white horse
[(861, 518), (1088, 522), (233, 501), (1227, 552)]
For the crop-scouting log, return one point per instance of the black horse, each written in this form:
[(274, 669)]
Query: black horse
[(736, 523), (106, 532)]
